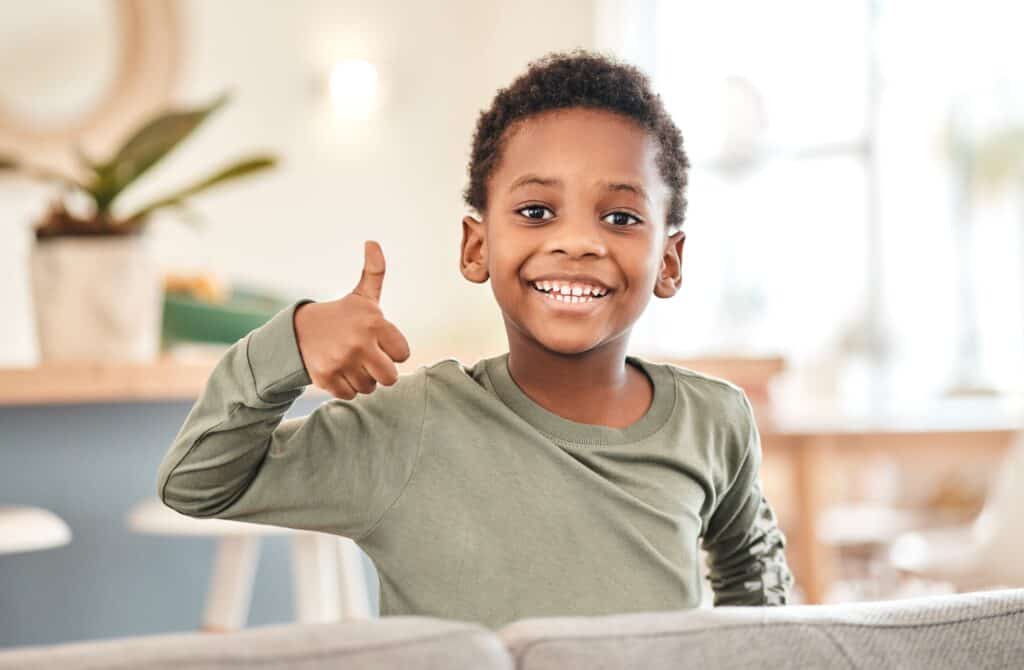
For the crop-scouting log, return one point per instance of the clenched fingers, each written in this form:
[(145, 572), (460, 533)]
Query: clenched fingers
[(361, 380), (340, 388), (381, 367)]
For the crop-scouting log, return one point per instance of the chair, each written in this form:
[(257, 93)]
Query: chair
[(31, 529), (329, 580), (985, 554)]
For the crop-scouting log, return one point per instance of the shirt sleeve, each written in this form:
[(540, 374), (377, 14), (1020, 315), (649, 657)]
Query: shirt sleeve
[(745, 547), (337, 470)]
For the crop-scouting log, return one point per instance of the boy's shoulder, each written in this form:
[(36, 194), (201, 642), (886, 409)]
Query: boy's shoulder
[(713, 395), (450, 369), (448, 365), (721, 403), (692, 376)]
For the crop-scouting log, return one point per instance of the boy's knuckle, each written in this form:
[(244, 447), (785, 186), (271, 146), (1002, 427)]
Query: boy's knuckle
[(347, 357), (367, 320)]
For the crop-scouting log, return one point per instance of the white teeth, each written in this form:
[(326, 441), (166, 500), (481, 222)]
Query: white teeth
[(571, 299), (558, 289)]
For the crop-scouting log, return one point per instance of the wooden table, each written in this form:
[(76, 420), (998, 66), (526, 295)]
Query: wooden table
[(812, 440)]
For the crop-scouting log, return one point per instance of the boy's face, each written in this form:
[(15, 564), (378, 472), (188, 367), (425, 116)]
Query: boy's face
[(576, 229)]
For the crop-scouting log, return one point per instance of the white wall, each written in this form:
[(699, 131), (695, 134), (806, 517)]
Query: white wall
[(396, 178)]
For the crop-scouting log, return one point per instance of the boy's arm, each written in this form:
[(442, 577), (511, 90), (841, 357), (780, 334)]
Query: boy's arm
[(743, 540), (336, 470)]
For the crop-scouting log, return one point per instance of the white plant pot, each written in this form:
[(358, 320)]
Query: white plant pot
[(96, 298)]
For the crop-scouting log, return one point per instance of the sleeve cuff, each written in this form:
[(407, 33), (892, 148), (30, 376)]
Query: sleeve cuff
[(274, 357)]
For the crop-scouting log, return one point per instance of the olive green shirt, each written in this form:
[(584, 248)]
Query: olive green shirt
[(474, 502)]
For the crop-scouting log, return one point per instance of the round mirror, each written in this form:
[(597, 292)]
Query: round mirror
[(58, 60), (82, 72)]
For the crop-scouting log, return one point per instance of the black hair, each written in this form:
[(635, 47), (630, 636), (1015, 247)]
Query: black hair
[(579, 78)]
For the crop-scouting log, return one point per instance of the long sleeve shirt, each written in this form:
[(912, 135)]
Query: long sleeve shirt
[(474, 502)]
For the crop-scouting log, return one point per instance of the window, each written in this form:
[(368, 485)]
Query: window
[(824, 206)]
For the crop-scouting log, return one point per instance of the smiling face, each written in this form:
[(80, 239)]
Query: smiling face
[(576, 204)]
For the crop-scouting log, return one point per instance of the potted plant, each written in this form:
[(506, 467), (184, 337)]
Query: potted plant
[(96, 287)]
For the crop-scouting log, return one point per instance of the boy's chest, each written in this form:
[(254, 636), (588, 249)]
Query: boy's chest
[(497, 515)]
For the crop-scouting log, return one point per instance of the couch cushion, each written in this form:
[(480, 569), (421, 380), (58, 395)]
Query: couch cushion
[(976, 630), (374, 644)]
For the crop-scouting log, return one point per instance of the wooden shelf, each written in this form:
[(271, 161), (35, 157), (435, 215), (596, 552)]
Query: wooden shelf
[(170, 377), (178, 375)]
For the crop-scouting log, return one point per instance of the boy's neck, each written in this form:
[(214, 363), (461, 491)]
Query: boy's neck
[(596, 387)]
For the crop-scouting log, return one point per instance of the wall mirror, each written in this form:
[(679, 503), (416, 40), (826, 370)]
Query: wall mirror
[(82, 72)]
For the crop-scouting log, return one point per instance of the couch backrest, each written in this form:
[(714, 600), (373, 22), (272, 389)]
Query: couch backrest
[(416, 643), (971, 630)]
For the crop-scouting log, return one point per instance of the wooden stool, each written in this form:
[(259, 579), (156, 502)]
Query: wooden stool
[(329, 580), (31, 529)]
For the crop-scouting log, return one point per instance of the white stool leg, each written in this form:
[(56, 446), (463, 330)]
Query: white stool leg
[(355, 601), (230, 590), (315, 573)]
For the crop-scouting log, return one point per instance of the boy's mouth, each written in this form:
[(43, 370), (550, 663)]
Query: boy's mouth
[(563, 292)]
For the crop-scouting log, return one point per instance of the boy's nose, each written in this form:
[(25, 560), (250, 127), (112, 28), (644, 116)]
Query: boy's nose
[(576, 237)]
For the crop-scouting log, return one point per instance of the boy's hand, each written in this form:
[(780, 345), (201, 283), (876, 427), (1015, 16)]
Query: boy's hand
[(347, 344)]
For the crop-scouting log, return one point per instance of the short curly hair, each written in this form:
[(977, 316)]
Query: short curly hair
[(579, 78)]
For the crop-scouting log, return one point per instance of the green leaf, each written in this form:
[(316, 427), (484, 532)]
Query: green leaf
[(238, 169), (146, 147)]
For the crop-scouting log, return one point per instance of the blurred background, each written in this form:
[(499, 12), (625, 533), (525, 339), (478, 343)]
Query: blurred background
[(854, 260)]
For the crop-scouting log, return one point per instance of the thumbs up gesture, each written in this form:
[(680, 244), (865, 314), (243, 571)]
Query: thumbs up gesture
[(347, 344)]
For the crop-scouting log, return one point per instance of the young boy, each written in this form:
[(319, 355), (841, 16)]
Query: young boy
[(562, 478)]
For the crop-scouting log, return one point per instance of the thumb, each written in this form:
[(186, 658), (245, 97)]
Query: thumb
[(372, 279)]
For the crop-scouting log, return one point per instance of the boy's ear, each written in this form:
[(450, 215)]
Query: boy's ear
[(473, 257), (670, 274)]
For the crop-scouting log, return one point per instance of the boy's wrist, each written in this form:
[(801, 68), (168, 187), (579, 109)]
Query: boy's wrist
[(295, 315), (274, 355)]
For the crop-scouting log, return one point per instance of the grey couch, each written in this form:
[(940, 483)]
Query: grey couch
[(972, 630)]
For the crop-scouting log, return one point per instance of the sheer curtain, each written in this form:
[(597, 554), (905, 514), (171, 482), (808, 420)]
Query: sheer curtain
[(830, 218)]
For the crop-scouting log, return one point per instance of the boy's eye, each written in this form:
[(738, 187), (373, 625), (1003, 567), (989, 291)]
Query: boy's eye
[(533, 208), (624, 214), (540, 208)]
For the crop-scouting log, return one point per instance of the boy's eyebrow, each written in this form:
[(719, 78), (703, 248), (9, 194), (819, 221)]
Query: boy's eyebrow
[(554, 181)]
